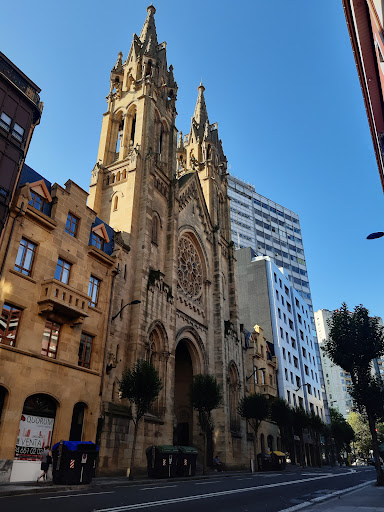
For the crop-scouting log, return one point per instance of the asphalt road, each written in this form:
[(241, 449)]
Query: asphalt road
[(269, 492)]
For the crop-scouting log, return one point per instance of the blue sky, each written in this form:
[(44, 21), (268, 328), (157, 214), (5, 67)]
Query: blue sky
[(280, 81)]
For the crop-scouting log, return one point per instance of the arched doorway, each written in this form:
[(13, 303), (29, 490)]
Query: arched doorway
[(77, 423), (183, 410), (35, 431)]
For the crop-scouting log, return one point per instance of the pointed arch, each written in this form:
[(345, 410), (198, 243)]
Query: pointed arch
[(156, 226), (234, 396), (196, 348), (157, 353)]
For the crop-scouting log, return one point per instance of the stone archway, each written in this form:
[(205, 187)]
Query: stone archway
[(183, 421)]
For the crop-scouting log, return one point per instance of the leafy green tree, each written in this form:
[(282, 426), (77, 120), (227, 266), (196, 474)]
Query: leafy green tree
[(355, 339), (342, 432), (363, 438), (301, 421), (254, 408), (316, 425), (281, 414), (141, 385), (205, 396)]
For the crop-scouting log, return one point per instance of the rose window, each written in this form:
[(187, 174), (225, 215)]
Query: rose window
[(189, 275)]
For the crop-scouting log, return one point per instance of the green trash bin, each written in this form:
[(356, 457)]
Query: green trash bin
[(187, 461), (162, 461)]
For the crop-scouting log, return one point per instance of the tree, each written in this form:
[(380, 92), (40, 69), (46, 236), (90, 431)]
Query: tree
[(317, 425), (355, 339), (281, 414), (254, 408), (141, 385), (342, 432), (205, 396), (363, 438), (301, 420)]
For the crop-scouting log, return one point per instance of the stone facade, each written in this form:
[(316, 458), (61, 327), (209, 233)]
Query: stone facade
[(169, 201), (52, 333)]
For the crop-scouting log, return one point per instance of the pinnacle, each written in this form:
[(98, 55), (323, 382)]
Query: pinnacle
[(201, 115), (149, 28)]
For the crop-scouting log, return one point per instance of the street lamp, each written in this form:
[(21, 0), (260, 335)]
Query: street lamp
[(302, 386), (378, 234), (129, 304), (254, 371)]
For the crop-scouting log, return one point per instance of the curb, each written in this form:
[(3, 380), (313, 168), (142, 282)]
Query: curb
[(327, 497)]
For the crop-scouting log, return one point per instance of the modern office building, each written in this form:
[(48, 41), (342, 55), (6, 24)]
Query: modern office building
[(337, 381), (365, 21), (272, 230), (266, 293)]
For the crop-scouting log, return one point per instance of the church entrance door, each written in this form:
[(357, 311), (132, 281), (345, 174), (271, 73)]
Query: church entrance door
[(183, 411)]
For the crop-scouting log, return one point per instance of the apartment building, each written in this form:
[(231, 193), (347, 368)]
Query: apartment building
[(266, 293)]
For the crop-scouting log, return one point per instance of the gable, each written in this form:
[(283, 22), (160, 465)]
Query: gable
[(191, 194), (40, 188)]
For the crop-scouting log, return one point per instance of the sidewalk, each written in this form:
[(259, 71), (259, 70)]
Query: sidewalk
[(364, 499)]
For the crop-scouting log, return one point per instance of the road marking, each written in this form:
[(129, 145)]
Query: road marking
[(149, 504), (248, 478), (327, 497), (209, 482), (157, 487), (76, 495)]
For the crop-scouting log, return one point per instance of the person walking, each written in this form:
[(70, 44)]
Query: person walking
[(46, 461)]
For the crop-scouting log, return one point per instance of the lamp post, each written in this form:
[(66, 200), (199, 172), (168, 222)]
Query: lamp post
[(378, 234), (129, 304)]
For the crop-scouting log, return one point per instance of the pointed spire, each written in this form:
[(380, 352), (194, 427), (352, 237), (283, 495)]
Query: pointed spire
[(118, 67), (200, 115), (180, 144), (148, 32)]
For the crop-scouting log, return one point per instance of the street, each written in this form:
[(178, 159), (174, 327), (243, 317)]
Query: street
[(268, 492)]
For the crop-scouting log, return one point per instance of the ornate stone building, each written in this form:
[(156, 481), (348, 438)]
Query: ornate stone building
[(168, 198)]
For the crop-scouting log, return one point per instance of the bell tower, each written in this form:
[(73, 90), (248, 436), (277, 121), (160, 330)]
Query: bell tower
[(138, 126), (201, 151)]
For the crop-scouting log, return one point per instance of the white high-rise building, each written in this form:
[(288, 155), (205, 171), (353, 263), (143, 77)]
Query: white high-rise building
[(337, 381), (272, 230), (266, 296)]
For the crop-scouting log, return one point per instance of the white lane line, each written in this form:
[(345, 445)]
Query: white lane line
[(326, 497), (157, 487), (209, 482), (248, 478), (76, 495), (149, 504)]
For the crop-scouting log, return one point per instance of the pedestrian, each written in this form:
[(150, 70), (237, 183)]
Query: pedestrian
[(46, 461), (218, 464)]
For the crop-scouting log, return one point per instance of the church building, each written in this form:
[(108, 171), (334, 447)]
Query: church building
[(167, 197)]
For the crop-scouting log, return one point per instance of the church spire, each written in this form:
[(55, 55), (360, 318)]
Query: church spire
[(148, 34), (201, 115)]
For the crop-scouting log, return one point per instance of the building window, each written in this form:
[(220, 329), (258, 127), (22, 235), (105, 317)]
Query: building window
[(50, 339), (25, 257), (18, 132), (116, 200), (5, 121), (62, 271), (37, 201), (9, 324), (155, 229), (97, 240), (85, 349), (71, 224), (93, 291)]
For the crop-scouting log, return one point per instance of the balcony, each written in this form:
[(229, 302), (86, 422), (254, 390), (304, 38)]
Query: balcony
[(266, 389), (62, 303)]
